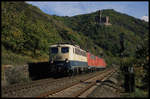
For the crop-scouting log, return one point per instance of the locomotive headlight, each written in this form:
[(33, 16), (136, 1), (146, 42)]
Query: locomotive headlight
[(51, 61), (66, 60)]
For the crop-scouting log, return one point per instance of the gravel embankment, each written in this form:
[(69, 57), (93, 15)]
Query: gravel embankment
[(109, 88)]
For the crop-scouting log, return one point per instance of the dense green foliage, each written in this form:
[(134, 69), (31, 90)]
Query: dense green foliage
[(140, 64)]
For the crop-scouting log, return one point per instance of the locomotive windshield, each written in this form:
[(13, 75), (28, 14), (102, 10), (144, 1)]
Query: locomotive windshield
[(54, 50), (65, 49)]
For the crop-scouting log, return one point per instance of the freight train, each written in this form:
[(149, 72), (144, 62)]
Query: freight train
[(71, 59)]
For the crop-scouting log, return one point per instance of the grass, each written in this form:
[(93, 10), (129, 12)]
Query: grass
[(10, 58), (137, 94)]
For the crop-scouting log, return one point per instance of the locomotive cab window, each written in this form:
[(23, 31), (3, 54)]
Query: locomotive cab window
[(65, 49), (54, 50)]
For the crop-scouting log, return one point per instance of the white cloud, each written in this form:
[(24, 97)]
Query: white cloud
[(145, 18)]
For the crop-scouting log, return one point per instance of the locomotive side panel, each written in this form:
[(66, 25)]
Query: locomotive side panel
[(79, 59)]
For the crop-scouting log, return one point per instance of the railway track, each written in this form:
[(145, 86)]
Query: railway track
[(13, 90), (46, 86), (79, 89), (33, 88)]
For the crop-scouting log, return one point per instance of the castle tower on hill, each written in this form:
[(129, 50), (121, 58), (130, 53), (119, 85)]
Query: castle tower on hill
[(103, 20), (107, 21)]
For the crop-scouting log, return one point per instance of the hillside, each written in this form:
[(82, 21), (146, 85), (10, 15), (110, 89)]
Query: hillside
[(108, 37), (27, 31)]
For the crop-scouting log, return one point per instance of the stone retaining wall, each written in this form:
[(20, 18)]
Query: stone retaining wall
[(16, 73)]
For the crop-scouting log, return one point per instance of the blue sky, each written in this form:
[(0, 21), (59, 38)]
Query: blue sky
[(137, 9)]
